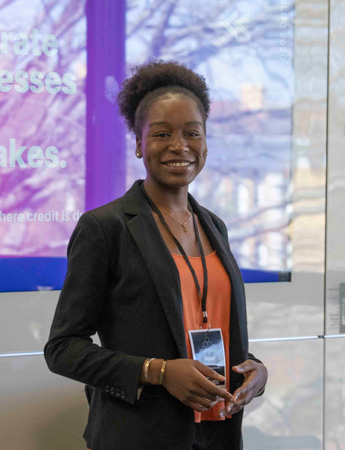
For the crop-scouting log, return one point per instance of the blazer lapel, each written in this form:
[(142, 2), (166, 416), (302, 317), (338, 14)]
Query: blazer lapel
[(159, 261)]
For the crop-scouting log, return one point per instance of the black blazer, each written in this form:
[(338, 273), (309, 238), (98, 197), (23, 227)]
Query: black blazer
[(122, 283)]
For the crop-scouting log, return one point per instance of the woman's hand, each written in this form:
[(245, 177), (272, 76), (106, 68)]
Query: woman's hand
[(255, 377), (186, 380)]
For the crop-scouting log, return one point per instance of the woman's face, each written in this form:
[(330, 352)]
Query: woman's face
[(173, 142)]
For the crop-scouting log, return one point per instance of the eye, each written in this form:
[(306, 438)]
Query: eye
[(162, 135), (193, 134)]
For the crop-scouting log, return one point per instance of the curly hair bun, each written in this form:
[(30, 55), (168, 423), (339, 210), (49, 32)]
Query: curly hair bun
[(165, 77)]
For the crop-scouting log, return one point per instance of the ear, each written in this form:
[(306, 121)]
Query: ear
[(138, 152)]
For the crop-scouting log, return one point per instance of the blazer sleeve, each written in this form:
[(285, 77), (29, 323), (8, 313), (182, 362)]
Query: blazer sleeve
[(223, 229), (70, 350)]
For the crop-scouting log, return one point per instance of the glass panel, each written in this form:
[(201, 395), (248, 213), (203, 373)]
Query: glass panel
[(335, 394), (335, 300), (28, 319), (51, 410), (290, 413), (297, 308)]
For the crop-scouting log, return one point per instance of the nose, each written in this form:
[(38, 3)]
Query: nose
[(178, 144)]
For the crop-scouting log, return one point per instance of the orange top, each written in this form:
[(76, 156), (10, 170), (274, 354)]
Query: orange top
[(218, 309)]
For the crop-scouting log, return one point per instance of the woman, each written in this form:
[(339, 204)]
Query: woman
[(143, 272)]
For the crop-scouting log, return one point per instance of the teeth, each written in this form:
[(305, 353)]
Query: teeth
[(178, 164)]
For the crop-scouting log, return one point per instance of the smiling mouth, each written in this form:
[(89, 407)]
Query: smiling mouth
[(178, 164)]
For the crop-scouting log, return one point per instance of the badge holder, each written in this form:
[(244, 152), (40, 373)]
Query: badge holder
[(208, 348)]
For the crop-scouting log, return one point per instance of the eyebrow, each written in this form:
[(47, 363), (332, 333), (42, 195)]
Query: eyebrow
[(194, 122)]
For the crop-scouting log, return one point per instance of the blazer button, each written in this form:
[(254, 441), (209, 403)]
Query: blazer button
[(112, 391), (107, 388), (238, 384), (123, 394), (118, 392)]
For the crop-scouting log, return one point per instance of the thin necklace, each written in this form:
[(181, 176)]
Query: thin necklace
[(183, 225)]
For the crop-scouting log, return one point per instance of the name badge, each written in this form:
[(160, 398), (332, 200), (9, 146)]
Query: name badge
[(208, 348)]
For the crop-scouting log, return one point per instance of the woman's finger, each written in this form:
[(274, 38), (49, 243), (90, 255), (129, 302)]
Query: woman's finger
[(212, 391), (196, 406), (244, 396), (246, 366), (208, 404), (207, 372), (212, 396), (230, 409), (233, 410)]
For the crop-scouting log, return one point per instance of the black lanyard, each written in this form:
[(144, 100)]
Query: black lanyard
[(179, 246)]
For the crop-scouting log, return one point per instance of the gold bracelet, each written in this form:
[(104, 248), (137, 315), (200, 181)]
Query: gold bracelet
[(161, 376), (146, 369)]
